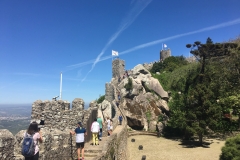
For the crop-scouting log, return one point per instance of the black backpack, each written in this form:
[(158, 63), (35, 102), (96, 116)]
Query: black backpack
[(28, 146)]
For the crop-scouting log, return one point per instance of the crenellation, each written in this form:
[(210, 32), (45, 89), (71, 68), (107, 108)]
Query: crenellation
[(59, 119), (6, 144)]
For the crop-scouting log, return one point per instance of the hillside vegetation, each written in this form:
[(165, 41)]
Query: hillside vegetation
[(206, 93)]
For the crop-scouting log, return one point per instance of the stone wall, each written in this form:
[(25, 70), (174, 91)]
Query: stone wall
[(164, 54), (57, 114), (116, 146), (109, 92), (58, 143), (6, 144), (118, 68)]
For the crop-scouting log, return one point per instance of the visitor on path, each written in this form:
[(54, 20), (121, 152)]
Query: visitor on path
[(80, 133), (117, 104), (108, 122), (111, 127), (120, 119), (36, 134), (119, 79), (119, 97), (95, 129), (127, 74), (99, 120)]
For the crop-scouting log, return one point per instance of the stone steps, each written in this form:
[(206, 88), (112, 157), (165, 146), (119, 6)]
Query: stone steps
[(91, 153)]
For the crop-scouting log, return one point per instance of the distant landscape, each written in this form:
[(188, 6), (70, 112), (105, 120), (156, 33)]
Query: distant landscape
[(15, 117)]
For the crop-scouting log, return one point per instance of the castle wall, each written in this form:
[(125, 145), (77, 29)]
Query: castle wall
[(58, 143), (109, 92), (116, 146), (57, 114), (6, 144), (165, 54)]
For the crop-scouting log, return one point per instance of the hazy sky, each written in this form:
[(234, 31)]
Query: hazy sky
[(39, 39)]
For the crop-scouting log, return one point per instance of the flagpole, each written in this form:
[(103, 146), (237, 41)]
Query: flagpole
[(61, 86), (162, 46)]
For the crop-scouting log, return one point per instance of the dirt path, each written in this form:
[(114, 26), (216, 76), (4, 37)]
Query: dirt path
[(166, 149)]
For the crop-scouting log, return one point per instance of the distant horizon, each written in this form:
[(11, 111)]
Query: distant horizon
[(86, 104)]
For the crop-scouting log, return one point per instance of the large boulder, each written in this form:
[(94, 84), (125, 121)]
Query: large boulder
[(136, 109), (148, 66), (140, 69), (153, 84), (106, 108)]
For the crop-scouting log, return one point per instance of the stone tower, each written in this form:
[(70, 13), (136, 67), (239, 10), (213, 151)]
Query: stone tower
[(164, 54), (118, 68), (109, 92)]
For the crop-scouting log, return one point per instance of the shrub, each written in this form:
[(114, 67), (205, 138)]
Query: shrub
[(101, 99), (129, 85), (231, 150)]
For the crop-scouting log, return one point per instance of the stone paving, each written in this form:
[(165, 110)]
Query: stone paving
[(91, 151)]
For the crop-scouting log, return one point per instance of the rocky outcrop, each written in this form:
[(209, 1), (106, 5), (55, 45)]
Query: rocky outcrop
[(148, 66), (144, 100), (143, 111), (106, 109)]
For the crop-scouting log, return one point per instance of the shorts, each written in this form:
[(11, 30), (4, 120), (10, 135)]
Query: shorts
[(80, 145), (108, 128)]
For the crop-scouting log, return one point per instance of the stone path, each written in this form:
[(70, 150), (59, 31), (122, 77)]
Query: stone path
[(92, 151)]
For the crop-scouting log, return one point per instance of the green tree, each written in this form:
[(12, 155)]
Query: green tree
[(129, 85), (202, 109), (209, 41), (148, 115), (169, 64)]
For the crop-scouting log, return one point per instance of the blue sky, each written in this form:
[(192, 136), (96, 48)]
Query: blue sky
[(40, 39)]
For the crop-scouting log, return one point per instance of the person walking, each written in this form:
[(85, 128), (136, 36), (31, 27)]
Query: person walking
[(80, 133), (120, 119), (111, 127), (34, 131), (108, 122), (99, 120), (95, 130)]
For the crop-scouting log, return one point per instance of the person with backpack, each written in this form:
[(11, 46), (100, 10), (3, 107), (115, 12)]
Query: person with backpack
[(80, 133), (30, 147)]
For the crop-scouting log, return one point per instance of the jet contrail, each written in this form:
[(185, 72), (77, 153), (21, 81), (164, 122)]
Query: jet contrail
[(131, 16), (222, 25)]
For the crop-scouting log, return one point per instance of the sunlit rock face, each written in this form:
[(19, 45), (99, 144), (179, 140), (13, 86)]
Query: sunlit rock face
[(146, 101)]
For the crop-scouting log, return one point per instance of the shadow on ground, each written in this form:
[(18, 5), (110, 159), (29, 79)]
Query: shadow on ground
[(191, 143)]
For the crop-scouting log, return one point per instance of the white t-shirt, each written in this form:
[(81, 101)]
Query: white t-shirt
[(108, 122)]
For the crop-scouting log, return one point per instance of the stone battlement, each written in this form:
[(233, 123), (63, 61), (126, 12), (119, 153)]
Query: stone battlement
[(59, 119), (57, 114)]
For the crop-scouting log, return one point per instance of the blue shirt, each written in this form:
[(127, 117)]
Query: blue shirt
[(80, 134)]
